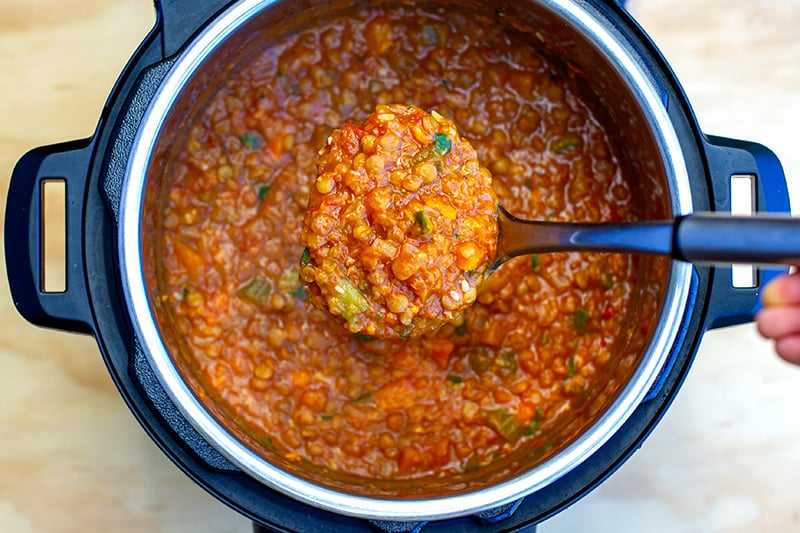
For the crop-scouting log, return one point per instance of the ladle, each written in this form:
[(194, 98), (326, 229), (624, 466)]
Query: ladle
[(708, 238)]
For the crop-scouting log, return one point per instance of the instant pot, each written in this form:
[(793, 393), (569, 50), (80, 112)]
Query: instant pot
[(106, 295)]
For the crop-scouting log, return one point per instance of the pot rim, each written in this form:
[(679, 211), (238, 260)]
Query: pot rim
[(622, 56)]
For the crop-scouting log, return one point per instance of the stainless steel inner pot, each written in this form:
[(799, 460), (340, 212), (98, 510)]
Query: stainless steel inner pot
[(613, 76)]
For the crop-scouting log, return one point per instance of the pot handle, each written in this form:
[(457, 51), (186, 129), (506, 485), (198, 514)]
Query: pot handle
[(181, 19), (753, 164), (24, 236)]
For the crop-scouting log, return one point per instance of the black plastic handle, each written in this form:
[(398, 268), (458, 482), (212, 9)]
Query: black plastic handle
[(68, 310), (729, 305), (719, 238)]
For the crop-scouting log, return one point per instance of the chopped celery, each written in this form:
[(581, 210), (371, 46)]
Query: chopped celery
[(566, 143), (424, 222), (257, 290), (424, 154), (472, 464), (506, 362), (431, 35), (480, 358), (348, 301), (580, 318), (289, 280), (505, 423)]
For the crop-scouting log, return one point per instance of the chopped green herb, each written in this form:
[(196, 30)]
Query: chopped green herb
[(251, 139), (362, 398), (455, 380), (505, 423), (441, 144), (405, 334), (424, 222), (326, 417), (530, 430), (305, 258), (446, 84), (535, 261), (268, 444), (607, 281), (571, 366), (299, 293), (347, 301), (263, 190), (580, 318), (294, 88), (461, 329), (363, 337), (257, 290)]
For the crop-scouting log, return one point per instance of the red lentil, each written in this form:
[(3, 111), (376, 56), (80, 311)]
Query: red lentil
[(401, 225), (533, 353)]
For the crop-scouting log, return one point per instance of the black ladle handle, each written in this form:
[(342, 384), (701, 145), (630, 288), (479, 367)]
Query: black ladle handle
[(720, 238), (697, 238)]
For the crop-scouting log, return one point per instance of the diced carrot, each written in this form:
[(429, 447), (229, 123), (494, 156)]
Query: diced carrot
[(439, 350), (301, 378), (192, 261)]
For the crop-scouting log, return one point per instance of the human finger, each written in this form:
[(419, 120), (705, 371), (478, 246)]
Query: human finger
[(788, 348), (778, 321), (783, 290)]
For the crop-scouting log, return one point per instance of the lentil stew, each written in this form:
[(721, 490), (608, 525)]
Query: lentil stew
[(401, 225), (501, 385)]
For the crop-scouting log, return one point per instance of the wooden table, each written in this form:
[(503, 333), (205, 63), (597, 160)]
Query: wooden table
[(72, 458)]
